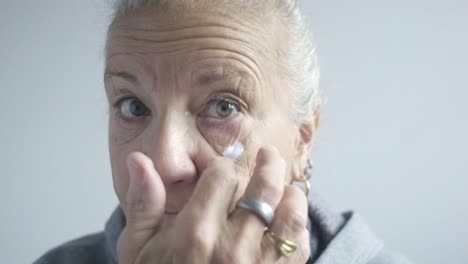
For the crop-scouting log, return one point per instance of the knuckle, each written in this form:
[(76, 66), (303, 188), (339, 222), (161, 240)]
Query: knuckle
[(224, 256), (198, 240), (295, 198), (135, 205), (268, 187), (273, 173), (269, 169), (237, 249), (296, 222), (273, 192), (145, 256), (234, 253), (269, 155)]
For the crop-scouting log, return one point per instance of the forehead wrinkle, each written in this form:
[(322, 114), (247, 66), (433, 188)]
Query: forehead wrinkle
[(130, 77), (126, 46), (221, 74), (218, 72), (177, 40), (166, 23), (158, 37), (166, 34), (173, 34), (143, 69), (199, 25)]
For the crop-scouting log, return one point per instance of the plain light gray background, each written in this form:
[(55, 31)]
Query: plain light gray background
[(393, 143)]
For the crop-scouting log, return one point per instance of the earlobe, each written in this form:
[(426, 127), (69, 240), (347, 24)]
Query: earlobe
[(306, 136), (296, 171), (309, 129), (307, 132)]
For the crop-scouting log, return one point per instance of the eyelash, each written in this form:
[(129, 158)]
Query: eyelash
[(237, 102), (118, 105), (228, 98)]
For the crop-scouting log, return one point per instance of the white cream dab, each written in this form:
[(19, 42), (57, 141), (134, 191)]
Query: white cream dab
[(234, 151)]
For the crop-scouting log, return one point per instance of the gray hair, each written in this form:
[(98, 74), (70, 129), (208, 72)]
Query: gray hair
[(302, 65)]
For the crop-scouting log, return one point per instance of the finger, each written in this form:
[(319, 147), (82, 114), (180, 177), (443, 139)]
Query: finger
[(143, 207), (290, 223), (207, 209), (266, 185), (214, 190)]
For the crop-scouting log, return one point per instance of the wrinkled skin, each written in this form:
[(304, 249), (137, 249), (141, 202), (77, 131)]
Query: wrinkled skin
[(181, 91)]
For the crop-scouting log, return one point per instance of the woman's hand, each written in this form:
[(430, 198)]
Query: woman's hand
[(204, 231)]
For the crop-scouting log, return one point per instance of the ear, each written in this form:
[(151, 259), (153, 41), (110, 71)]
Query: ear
[(304, 141)]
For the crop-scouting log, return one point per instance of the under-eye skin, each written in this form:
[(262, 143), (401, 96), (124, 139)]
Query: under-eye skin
[(221, 114), (221, 120), (131, 109)]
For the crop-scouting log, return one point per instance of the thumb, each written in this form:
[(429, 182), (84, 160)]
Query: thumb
[(143, 207)]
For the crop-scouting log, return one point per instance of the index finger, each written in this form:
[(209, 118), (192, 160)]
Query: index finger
[(214, 192)]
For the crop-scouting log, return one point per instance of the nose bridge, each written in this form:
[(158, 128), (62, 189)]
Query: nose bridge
[(169, 147)]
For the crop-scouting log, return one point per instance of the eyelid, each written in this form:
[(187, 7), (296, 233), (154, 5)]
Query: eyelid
[(214, 101), (229, 96), (218, 99), (118, 105), (207, 113), (122, 94), (127, 95), (119, 101)]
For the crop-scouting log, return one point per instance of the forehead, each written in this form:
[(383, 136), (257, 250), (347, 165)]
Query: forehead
[(151, 30), (136, 70), (229, 38)]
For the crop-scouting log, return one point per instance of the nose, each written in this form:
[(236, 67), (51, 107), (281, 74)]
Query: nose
[(169, 144)]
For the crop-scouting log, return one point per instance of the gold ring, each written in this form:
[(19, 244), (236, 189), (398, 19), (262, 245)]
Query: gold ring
[(285, 247)]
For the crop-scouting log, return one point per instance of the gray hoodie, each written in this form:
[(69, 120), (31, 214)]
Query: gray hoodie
[(334, 239)]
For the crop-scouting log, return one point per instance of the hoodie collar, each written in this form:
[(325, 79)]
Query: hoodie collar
[(342, 238), (114, 227)]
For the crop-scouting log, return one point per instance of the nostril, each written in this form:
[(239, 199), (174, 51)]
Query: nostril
[(179, 182)]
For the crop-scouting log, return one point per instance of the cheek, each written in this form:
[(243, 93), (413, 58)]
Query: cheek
[(122, 132), (120, 175)]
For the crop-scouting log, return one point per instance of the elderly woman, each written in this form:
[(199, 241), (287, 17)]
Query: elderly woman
[(214, 105)]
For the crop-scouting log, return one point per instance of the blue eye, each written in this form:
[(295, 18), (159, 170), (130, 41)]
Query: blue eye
[(221, 109), (132, 107)]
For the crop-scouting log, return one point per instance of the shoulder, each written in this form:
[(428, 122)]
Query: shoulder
[(87, 249), (386, 256), (343, 238)]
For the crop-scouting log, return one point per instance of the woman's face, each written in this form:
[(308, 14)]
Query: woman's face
[(182, 91)]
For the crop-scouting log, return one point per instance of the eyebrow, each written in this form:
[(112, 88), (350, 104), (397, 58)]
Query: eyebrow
[(242, 83), (209, 77), (121, 74)]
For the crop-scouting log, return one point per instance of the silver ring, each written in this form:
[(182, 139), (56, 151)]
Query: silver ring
[(260, 209)]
